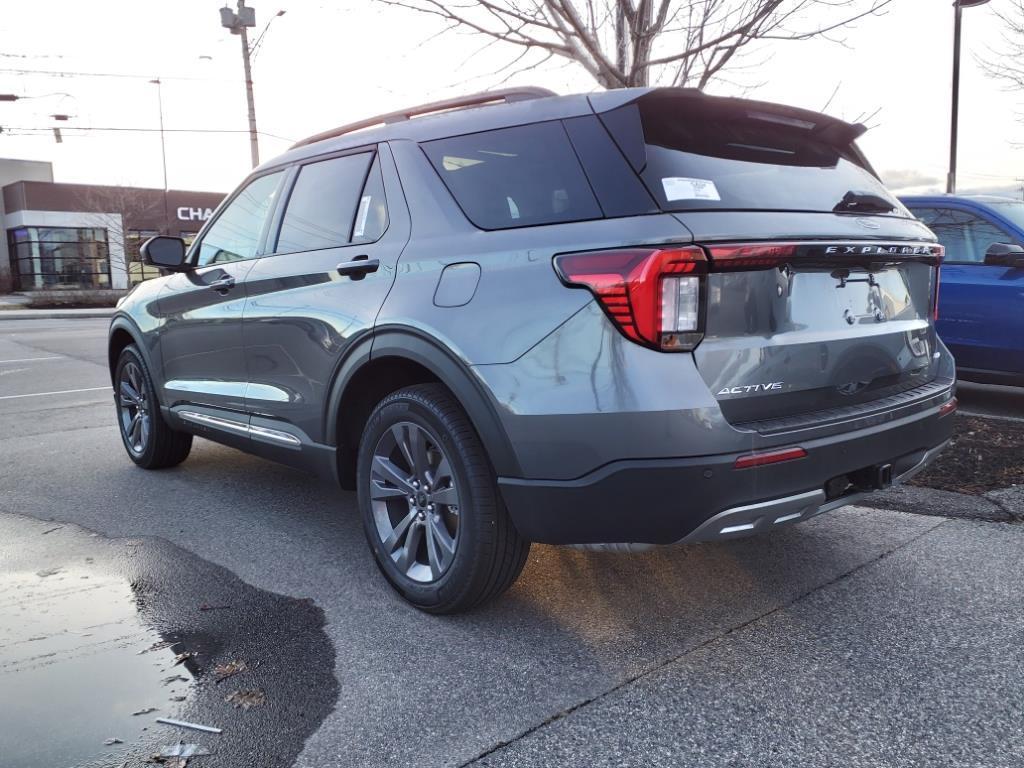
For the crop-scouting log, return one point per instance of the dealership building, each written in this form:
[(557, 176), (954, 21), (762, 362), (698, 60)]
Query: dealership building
[(85, 237)]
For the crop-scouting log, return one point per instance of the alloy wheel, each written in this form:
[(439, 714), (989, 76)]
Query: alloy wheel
[(134, 407), (415, 502)]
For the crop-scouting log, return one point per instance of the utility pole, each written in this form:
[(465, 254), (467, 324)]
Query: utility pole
[(958, 6), (238, 23)]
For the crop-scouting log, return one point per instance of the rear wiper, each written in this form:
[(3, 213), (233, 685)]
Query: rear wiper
[(863, 202)]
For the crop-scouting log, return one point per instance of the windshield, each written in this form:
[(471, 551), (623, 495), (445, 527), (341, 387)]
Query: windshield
[(708, 161), (1013, 211)]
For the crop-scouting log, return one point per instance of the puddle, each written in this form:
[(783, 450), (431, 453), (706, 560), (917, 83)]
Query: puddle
[(75, 663), (94, 630)]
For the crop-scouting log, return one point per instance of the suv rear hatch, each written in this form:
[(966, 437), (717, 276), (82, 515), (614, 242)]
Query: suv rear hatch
[(820, 286)]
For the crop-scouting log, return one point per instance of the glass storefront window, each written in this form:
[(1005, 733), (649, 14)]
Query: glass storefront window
[(59, 258), (137, 271)]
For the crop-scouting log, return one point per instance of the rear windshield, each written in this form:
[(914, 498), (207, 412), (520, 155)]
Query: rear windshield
[(515, 177), (742, 161)]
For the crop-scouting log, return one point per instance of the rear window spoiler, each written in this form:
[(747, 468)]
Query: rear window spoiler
[(824, 128)]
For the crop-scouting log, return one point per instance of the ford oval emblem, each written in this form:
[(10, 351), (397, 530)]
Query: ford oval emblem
[(869, 224)]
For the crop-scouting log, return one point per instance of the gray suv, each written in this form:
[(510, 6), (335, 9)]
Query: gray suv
[(611, 320)]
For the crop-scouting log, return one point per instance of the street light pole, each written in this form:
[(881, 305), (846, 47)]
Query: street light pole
[(958, 6), (163, 143)]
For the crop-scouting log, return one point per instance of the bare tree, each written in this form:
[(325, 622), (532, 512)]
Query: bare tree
[(1006, 63), (118, 210), (624, 43)]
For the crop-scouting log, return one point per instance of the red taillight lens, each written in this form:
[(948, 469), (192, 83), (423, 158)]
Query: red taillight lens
[(761, 458), (751, 255), (948, 407), (940, 254), (652, 295)]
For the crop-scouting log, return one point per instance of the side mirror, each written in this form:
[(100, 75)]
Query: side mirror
[(165, 252), (1005, 255)]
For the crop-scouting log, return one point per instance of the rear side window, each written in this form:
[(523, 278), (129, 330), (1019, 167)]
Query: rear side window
[(696, 155), (515, 177), (323, 204)]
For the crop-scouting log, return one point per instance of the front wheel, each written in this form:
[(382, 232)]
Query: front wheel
[(430, 505), (150, 442)]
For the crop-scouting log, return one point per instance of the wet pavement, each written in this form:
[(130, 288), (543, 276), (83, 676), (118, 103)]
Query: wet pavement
[(100, 637), (860, 638)]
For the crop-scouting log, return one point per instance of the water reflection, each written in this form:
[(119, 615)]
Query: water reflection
[(75, 663)]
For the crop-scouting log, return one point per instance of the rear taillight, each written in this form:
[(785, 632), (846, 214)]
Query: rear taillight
[(751, 256), (938, 279), (653, 295)]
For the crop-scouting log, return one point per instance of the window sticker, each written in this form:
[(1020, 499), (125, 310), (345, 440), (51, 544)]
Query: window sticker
[(364, 208), (681, 188)]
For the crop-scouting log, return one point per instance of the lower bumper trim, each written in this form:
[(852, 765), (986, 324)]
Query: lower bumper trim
[(765, 516)]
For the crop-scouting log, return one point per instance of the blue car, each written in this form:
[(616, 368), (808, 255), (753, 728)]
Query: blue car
[(981, 305)]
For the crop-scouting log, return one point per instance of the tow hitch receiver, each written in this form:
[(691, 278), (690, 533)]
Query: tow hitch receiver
[(874, 478)]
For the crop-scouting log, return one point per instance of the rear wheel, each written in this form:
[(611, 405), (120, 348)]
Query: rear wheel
[(150, 442), (430, 504)]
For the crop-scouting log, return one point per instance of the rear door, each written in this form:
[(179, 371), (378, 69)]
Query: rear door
[(329, 267), (201, 340), (981, 306)]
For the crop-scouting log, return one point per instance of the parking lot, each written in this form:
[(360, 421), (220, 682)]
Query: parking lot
[(866, 637)]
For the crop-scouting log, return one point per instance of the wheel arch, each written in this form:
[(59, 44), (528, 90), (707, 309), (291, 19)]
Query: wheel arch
[(396, 358), (124, 332)]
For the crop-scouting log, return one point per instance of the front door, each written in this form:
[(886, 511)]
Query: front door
[(201, 340), (980, 305), (320, 286)]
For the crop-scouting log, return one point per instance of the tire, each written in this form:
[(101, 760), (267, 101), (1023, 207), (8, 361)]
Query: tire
[(147, 438), (482, 554)]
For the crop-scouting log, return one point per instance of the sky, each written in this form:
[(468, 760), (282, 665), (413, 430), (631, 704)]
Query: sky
[(325, 63)]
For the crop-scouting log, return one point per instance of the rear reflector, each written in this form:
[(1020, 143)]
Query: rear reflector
[(761, 458), (949, 406), (652, 295)]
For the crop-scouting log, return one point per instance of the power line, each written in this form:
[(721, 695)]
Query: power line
[(27, 129), (68, 73)]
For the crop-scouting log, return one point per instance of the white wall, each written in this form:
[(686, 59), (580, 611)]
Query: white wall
[(10, 172)]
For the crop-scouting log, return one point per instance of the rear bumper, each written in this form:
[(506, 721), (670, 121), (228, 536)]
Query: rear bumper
[(663, 501)]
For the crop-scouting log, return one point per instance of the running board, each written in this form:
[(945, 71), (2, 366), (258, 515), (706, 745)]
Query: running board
[(275, 436)]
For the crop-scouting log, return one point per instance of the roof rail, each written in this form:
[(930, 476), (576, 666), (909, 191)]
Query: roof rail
[(504, 95)]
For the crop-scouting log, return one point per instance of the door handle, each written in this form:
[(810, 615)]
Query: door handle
[(359, 267), (224, 284)]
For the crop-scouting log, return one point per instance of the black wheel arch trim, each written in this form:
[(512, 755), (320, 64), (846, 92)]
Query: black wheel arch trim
[(126, 324), (419, 347)]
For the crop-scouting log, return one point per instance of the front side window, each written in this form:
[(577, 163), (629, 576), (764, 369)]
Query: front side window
[(965, 235), (515, 177), (323, 204), (236, 233), (59, 257)]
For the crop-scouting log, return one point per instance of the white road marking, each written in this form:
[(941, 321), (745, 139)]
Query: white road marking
[(60, 392), (31, 359)]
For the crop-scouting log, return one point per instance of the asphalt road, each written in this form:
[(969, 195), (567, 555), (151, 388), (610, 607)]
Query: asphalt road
[(861, 638)]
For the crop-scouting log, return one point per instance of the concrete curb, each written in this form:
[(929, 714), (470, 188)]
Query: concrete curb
[(56, 314)]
